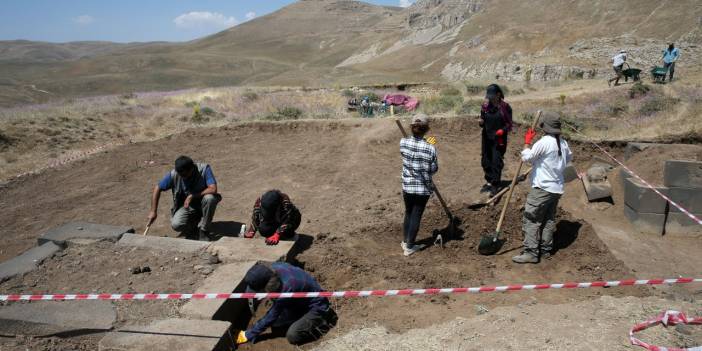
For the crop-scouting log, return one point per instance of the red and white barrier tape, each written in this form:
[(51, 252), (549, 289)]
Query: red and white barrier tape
[(666, 318), (682, 209), (348, 294)]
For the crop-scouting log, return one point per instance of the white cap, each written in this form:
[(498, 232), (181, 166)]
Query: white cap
[(420, 119)]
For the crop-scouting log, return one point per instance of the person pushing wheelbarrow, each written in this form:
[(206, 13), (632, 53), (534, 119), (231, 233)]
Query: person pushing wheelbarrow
[(548, 157)]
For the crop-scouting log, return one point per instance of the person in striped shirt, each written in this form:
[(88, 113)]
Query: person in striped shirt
[(419, 164)]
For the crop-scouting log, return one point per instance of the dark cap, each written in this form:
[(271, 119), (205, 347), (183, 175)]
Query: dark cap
[(269, 204), (183, 164), (492, 91), (551, 124), (257, 277)]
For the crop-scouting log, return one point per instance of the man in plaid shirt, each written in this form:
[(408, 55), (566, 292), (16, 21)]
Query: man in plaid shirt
[(419, 163)]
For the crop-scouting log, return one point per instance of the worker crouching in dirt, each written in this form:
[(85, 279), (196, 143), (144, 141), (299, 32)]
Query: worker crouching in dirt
[(195, 198), (549, 157), (496, 121), (301, 320), (419, 164), (275, 217)]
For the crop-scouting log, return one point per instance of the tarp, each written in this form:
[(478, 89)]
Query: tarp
[(408, 102)]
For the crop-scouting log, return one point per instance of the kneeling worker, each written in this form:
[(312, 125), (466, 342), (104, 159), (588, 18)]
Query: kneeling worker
[(195, 198), (549, 158), (275, 217), (301, 319)]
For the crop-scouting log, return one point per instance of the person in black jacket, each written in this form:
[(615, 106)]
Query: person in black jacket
[(496, 121), (275, 217)]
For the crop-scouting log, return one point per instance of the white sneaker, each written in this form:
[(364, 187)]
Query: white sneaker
[(408, 250), (404, 246)]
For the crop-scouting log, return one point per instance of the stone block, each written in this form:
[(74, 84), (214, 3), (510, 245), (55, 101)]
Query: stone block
[(83, 233), (682, 174), (226, 278), (688, 198), (231, 249), (642, 199), (645, 222), (570, 173), (597, 191), (633, 148), (45, 318), (162, 243), (681, 224), (27, 261), (597, 174), (169, 335)]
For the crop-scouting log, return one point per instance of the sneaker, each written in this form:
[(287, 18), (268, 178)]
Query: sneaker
[(486, 188), (404, 246), (525, 257), (545, 255), (409, 250)]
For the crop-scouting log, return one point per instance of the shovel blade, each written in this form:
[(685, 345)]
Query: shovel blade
[(490, 244)]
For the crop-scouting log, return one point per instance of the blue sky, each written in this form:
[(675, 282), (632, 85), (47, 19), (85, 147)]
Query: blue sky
[(131, 20)]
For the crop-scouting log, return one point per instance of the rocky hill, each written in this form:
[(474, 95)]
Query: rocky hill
[(341, 42)]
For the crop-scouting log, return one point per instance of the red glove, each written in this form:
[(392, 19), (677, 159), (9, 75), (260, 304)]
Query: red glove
[(500, 132), (273, 239), (529, 137), (249, 233)]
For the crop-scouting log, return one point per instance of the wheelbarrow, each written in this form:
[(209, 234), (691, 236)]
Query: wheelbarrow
[(658, 74), (632, 73)]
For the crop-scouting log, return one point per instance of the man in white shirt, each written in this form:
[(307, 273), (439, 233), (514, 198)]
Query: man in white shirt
[(618, 65), (548, 157)]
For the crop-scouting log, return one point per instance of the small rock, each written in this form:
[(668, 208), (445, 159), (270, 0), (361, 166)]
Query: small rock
[(145, 269), (480, 309), (207, 270), (135, 270), (80, 228), (114, 274)]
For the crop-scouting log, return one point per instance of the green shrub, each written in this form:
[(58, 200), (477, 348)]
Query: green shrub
[(450, 91), (198, 116), (249, 96), (191, 104), (470, 107), (348, 93), (562, 99), (442, 104), (208, 111), (373, 97), (475, 89), (657, 104), (284, 113), (638, 89)]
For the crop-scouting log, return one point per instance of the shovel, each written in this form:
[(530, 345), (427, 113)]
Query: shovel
[(479, 205), (450, 230), (491, 243)]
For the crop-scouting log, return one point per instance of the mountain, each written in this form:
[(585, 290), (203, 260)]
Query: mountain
[(341, 42)]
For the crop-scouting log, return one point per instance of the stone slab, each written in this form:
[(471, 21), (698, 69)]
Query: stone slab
[(688, 198), (45, 318), (633, 148), (169, 335), (681, 224), (683, 174), (642, 199), (162, 243), (570, 173), (27, 261), (645, 222), (597, 191), (83, 232), (231, 249), (227, 278)]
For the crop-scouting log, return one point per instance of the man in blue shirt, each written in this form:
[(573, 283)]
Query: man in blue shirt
[(301, 319), (195, 198), (670, 55)]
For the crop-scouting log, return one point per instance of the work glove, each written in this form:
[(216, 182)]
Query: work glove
[(273, 239), (431, 140), (500, 132), (241, 338), (529, 137), (250, 233)]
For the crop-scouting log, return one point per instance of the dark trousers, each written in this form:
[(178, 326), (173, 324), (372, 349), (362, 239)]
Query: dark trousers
[(310, 327), (492, 160), (671, 69), (414, 209)]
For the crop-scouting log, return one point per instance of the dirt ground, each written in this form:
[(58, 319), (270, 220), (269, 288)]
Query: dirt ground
[(105, 267), (344, 176)]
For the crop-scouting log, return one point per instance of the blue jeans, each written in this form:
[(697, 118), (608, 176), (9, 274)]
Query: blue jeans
[(671, 69)]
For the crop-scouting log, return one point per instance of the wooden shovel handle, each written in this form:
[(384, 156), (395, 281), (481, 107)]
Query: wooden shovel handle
[(514, 180)]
